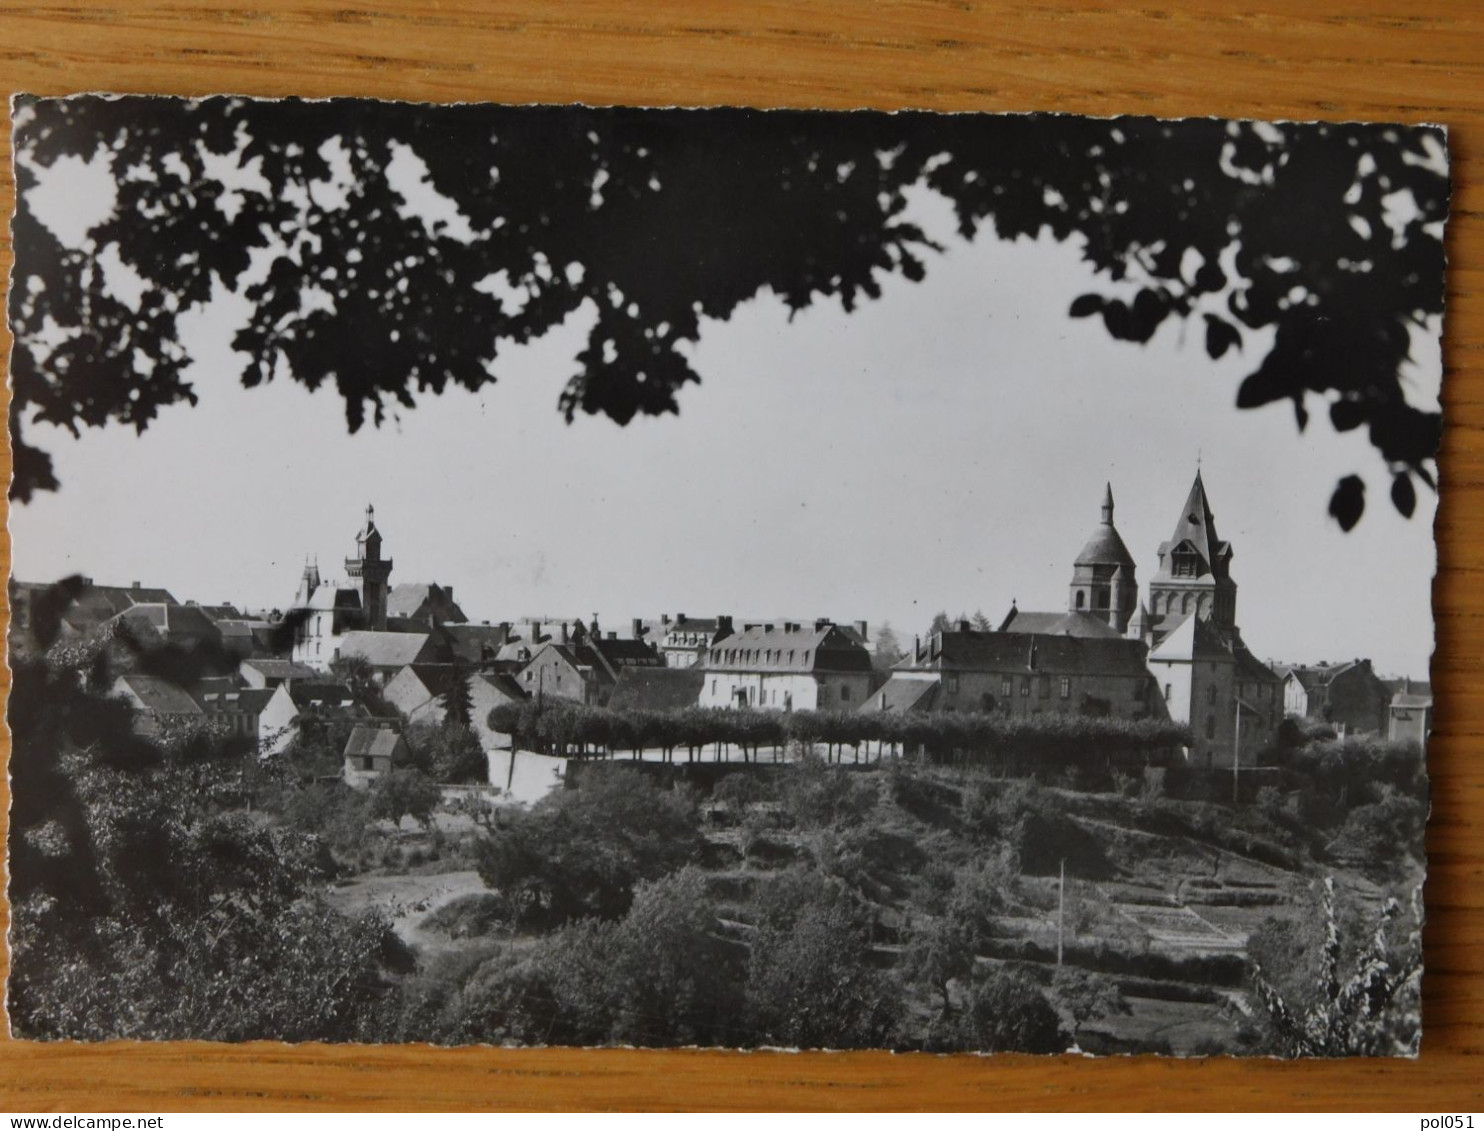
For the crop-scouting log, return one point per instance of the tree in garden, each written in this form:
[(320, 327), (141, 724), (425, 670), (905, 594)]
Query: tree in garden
[(1357, 1000), (959, 920), (456, 701), (1007, 1011), (1087, 995), (669, 977), (583, 851), (888, 647), (1327, 235), (452, 752), (144, 906), (810, 980), (405, 792)]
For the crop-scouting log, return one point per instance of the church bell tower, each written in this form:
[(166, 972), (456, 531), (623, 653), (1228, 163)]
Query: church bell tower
[(372, 571), (1103, 575)]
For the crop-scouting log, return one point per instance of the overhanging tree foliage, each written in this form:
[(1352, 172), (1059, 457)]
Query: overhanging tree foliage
[(1329, 235)]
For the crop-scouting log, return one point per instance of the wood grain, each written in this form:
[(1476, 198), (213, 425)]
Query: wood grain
[(1304, 60)]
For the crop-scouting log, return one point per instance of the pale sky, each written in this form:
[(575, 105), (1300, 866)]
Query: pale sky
[(944, 447)]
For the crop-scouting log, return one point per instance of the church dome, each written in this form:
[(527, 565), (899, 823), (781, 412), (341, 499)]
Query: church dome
[(1105, 547)]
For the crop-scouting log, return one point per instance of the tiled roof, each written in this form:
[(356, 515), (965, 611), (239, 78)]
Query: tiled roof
[(658, 689), (470, 641), (775, 649), (1035, 652), (901, 693), (246, 700), (1197, 638), (387, 649), (504, 683), (627, 653), (171, 620), (306, 692), (1402, 700), (160, 695), (408, 599), (1321, 675), (371, 742), (1059, 624), (334, 595), (281, 669), (1409, 687)]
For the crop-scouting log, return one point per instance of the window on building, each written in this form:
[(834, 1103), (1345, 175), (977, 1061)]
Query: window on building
[(951, 684), (1210, 726), (368, 764), (1169, 690), (713, 687), (1025, 686), (844, 692), (1006, 688), (1081, 598), (1066, 688)]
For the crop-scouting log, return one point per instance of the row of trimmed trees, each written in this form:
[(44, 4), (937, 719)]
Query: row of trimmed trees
[(999, 741)]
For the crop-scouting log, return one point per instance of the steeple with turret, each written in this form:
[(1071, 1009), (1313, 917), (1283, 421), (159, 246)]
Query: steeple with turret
[(1194, 568), (372, 571), (1103, 574)]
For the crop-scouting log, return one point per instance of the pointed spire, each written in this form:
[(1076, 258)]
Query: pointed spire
[(1108, 504), (1197, 524)]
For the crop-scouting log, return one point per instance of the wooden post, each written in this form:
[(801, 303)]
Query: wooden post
[(1061, 909)]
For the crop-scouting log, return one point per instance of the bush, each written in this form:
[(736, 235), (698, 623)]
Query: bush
[(1007, 1012), (470, 916), (738, 790), (582, 851), (405, 793)]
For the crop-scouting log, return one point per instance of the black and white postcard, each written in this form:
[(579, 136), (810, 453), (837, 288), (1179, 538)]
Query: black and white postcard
[(584, 576)]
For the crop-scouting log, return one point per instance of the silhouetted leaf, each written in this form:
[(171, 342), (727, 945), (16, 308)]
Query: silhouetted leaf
[(1346, 414), (664, 219), (1348, 502), (1221, 335), (1403, 494)]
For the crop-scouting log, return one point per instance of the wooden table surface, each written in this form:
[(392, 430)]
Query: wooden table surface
[(1249, 58)]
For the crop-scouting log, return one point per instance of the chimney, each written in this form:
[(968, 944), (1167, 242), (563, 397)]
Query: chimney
[(964, 626), (723, 627), (636, 626), (768, 627), (448, 591), (612, 635), (680, 619), (664, 620), (821, 624), (564, 632), (134, 585), (860, 628)]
